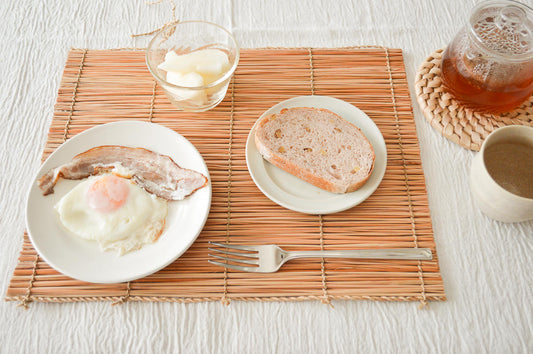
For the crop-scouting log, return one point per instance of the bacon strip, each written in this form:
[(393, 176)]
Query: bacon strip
[(157, 174)]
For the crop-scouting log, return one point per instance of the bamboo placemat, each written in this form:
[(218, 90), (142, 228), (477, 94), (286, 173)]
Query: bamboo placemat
[(453, 120), (101, 86)]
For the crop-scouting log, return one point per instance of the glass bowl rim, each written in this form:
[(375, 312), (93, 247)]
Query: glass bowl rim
[(214, 83)]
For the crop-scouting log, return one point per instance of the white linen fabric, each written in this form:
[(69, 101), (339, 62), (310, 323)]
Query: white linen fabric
[(486, 265)]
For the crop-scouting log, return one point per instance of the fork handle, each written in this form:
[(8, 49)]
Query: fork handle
[(423, 254)]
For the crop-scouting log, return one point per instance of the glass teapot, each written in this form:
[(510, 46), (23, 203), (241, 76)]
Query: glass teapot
[(489, 64)]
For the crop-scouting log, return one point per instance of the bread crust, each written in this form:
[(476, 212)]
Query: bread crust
[(289, 166)]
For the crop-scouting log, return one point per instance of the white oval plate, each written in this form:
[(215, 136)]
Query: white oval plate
[(296, 194), (82, 259)]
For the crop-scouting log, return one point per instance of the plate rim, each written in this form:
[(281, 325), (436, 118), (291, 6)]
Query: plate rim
[(138, 275), (316, 210)]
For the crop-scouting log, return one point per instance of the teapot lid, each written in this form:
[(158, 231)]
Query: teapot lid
[(504, 28)]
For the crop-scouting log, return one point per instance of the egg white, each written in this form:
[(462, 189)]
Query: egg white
[(140, 220)]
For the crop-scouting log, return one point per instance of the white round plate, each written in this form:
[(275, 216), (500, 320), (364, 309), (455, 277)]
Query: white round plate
[(296, 194), (82, 259)]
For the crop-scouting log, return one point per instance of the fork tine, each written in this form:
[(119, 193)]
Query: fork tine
[(245, 261), (234, 253), (237, 247), (244, 269)]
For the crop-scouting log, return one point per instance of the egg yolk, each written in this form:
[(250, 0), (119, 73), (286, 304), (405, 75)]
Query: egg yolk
[(107, 193)]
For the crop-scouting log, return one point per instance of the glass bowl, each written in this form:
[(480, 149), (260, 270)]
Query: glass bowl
[(187, 37)]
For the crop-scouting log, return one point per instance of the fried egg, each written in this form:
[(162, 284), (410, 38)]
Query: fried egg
[(114, 212)]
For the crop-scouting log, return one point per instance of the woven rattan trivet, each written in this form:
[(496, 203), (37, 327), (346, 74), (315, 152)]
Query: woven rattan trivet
[(456, 122), (100, 86)]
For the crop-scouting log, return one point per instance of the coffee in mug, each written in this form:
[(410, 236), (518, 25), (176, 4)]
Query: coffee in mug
[(510, 164), (501, 177)]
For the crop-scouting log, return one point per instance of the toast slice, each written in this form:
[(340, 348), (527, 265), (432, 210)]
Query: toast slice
[(317, 146)]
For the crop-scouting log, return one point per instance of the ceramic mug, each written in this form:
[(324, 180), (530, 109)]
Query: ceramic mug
[(501, 177)]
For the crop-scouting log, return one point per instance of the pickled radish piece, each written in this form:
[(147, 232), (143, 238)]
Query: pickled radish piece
[(194, 69), (198, 97), (189, 80), (206, 62)]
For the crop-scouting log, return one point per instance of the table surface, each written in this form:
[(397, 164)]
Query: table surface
[(486, 265)]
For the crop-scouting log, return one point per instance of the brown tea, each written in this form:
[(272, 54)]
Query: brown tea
[(494, 96), (510, 164)]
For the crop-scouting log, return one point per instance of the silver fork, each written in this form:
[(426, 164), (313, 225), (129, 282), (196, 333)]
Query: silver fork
[(269, 258)]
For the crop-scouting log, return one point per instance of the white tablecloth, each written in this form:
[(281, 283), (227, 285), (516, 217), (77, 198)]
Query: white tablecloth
[(486, 265)]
